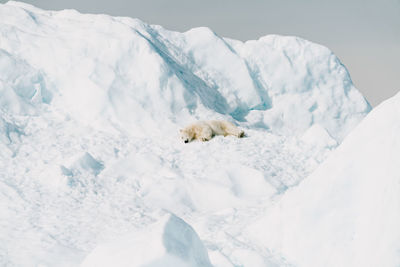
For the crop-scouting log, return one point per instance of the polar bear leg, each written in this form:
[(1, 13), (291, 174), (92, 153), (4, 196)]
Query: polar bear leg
[(205, 134), (231, 129)]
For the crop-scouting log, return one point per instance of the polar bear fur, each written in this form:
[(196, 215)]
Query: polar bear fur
[(205, 130)]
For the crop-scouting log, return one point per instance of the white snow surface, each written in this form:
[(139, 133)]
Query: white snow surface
[(90, 111), (169, 242), (347, 213)]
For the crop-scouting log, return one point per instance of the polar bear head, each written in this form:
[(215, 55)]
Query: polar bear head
[(187, 135)]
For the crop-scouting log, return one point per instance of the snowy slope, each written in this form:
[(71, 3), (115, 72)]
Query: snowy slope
[(123, 66), (90, 107), (170, 242), (347, 213)]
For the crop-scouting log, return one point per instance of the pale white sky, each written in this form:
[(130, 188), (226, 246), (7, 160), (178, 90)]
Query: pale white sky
[(364, 34)]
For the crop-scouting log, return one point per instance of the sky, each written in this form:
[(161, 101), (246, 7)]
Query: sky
[(364, 34)]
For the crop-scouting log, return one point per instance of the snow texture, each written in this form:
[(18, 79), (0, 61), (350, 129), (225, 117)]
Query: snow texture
[(169, 242), (347, 212), (90, 111)]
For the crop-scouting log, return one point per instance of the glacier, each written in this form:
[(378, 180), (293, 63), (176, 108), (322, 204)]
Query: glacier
[(92, 169)]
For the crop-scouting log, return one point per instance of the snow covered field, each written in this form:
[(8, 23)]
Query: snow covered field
[(93, 172)]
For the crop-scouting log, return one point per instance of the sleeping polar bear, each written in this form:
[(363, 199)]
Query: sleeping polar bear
[(205, 130)]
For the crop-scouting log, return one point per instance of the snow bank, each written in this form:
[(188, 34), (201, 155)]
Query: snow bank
[(136, 75), (347, 212), (169, 242)]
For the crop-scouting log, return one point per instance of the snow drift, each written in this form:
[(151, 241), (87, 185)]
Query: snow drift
[(120, 70), (347, 212), (90, 107), (170, 242)]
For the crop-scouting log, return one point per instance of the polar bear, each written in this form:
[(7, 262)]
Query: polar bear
[(205, 130)]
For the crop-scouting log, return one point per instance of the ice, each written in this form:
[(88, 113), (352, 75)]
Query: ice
[(347, 212), (90, 112), (103, 68), (87, 162), (22, 87)]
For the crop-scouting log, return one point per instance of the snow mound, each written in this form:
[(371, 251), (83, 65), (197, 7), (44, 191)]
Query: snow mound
[(169, 242), (347, 212), (136, 75)]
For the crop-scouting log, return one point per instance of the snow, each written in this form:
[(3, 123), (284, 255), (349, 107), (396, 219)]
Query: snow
[(90, 112), (129, 67), (347, 212), (169, 242)]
